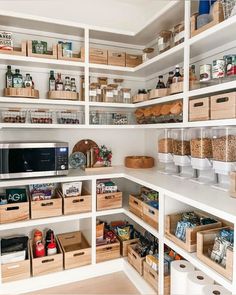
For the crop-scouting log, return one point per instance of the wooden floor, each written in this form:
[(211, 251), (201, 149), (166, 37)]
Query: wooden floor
[(117, 283)]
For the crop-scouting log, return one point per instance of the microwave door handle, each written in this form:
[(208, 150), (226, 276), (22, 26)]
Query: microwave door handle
[(5, 160)]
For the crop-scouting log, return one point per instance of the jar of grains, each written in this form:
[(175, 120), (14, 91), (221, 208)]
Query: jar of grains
[(181, 142), (201, 143)]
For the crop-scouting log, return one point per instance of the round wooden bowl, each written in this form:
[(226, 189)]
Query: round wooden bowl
[(139, 162)]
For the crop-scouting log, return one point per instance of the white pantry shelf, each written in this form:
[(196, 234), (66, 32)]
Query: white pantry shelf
[(192, 257), (41, 126), (109, 212), (111, 105), (159, 100)]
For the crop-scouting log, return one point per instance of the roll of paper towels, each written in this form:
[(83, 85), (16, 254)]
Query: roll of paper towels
[(215, 290), (196, 281), (179, 270)]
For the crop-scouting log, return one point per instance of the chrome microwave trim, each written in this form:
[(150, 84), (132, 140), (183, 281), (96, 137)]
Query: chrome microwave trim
[(33, 174), (19, 145)]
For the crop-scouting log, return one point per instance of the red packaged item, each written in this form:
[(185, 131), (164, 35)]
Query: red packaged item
[(39, 249)]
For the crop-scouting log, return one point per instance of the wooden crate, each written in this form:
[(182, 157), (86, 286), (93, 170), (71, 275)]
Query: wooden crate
[(116, 58), (21, 92), (76, 56), (109, 201), (16, 50), (47, 264), (218, 16), (133, 60), (77, 204), (46, 208), (108, 252), (176, 87), (150, 215), (205, 241), (156, 93), (14, 212), (76, 250), (190, 244), (135, 260), (140, 97), (124, 245), (67, 95), (136, 205), (51, 55), (96, 55), (199, 109), (16, 270), (223, 106)]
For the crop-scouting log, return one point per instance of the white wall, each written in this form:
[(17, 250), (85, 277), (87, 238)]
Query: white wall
[(129, 15)]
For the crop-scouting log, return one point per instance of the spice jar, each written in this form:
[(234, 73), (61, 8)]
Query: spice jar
[(178, 34), (147, 54), (93, 92), (201, 143), (164, 41), (108, 94), (224, 144), (126, 95), (181, 142)]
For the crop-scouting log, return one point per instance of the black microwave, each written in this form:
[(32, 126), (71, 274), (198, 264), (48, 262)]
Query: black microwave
[(33, 159)]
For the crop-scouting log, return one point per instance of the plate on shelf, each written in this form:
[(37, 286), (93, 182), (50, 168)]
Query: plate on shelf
[(77, 160)]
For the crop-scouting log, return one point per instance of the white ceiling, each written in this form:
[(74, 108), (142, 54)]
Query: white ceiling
[(127, 15)]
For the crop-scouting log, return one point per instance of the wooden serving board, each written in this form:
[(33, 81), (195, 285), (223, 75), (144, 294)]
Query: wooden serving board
[(21, 92), (84, 145), (137, 162)]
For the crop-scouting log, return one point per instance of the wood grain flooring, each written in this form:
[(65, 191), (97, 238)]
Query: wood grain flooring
[(116, 283)]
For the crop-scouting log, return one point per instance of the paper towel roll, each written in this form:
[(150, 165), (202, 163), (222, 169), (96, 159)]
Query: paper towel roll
[(215, 290), (179, 270), (196, 281)]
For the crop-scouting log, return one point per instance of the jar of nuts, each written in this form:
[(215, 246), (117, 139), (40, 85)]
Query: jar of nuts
[(181, 142), (224, 144), (165, 142), (201, 143)]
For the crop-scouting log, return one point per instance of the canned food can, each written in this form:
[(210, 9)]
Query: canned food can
[(205, 72), (218, 69), (230, 64)]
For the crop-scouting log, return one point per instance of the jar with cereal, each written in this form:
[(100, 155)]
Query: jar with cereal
[(201, 143), (181, 142), (165, 146)]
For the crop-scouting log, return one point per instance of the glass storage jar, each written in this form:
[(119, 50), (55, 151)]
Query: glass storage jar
[(181, 142), (201, 143), (93, 92), (178, 33), (224, 144), (164, 41), (119, 98), (108, 94), (41, 117), (126, 95), (70, 117), (165, 142), (14, 116), (94, 117)]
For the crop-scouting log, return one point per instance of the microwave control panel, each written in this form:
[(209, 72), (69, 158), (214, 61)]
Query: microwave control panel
[(62, 158)]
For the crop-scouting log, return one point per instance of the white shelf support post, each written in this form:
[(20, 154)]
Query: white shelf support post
[(94, 220), (234, 264), (161, 228), (86, 75)]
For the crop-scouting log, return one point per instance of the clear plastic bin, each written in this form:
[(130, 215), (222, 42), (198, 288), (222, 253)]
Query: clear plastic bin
[(165, 142), (181, 142), (224, 144), (201, 143), (14, 116), (41, 117), (70, 117)]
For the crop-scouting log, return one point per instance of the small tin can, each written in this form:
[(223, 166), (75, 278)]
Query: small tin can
[(218, 68), (205, 72), (230, 64)]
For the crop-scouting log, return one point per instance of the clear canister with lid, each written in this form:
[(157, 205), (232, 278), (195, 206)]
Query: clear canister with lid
[(181, 142), (119, 98), (93, 92), (164, 41), (178, 33), (201, 143), (224, 144), (108, 94), (126, 95), (165, 142), (115, 92)]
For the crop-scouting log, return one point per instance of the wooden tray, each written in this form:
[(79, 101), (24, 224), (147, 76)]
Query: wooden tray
[(156, 93), (21, 92), (218, 16), (67, 95), (16, 50), (75, 56), (52, 55), (139, 162), (140, 97)]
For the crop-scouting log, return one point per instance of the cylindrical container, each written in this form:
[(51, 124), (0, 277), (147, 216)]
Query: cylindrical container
[(179, 270), (164, 41), (230, 64), (126, 95), (99, 92), (215, 290), (196, 281), (201, 143), (39, 249), (38, 236), (218, 68), (115, 92), (93, 92), (51, 249), (224, 144), (179, 33), (165, 142), (108, 94), (205, 73), (181, 142), (94, 118)]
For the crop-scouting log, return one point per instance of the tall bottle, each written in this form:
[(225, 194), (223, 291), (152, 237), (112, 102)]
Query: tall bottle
[(192, 73), (9, 77), (177, 76), (52, 81), (67, 84), (170, 79), (73, 85), (59, 83), (160, 83), (17, 79), (28, 81)]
